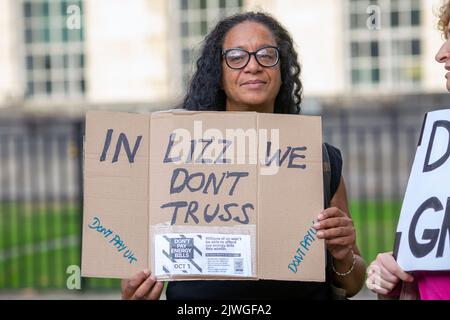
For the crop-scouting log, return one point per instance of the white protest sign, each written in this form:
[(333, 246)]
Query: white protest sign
[(423, 231)]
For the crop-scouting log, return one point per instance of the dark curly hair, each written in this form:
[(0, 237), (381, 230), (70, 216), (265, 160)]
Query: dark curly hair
[(205, 92)]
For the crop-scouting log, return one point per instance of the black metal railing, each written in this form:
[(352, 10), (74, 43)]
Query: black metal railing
[(378, 149), (41, 182)]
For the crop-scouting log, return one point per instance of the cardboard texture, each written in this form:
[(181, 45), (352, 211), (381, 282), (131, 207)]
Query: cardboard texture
[(423, 231), (236, 200)]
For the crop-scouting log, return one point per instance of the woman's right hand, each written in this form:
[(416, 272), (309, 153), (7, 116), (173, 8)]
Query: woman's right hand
[(384, 274), (142, 286)]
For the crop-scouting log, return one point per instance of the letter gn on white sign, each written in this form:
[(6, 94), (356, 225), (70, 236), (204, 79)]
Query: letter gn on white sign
[(423, 231)]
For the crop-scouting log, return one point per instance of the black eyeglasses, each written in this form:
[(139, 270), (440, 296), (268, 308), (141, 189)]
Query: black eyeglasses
[(237, 58)]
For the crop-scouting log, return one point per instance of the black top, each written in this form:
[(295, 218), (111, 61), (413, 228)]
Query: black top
[(336, 167), (260, 289)]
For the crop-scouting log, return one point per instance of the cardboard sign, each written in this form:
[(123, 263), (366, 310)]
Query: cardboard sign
[(203, 195), (423, 231)]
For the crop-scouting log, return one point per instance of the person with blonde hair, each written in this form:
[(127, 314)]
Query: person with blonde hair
[(385, 277)]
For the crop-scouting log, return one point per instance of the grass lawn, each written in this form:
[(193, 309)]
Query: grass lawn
[(38, 242), (375, 223), (22, 224)]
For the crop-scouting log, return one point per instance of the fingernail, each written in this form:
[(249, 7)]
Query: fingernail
[(320, 217), (153, 278), (316, 225), (147, 272), (320, 234)]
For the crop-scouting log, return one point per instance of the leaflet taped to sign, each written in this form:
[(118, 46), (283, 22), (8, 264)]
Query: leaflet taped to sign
[(203, 254)]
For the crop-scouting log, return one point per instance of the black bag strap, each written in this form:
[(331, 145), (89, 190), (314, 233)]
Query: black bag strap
[(326, 196), (326, 177), (336, 293)]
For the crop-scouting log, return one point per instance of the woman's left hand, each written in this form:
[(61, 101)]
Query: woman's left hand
[(338, 231)]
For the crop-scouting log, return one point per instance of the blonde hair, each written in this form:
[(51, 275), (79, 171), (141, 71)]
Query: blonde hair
[(444, 18)]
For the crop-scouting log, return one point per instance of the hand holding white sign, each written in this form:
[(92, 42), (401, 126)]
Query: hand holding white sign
[(384, 274), (142, 286)]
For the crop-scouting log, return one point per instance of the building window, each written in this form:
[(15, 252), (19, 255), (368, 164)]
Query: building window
[(197, 18), (388, 56), (54, 55)]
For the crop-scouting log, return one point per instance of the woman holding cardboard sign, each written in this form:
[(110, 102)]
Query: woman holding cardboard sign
[(248, 63), (385, 277)]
